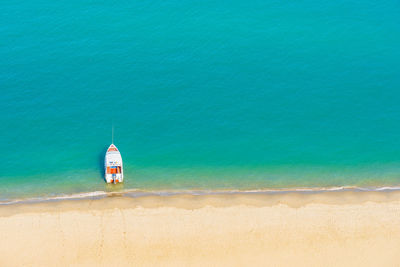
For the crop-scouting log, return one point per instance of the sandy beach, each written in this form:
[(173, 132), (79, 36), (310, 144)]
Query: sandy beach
[(292, 229)]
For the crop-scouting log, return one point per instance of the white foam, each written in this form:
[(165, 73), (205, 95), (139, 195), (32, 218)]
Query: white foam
[(53, 198), (140, 193)]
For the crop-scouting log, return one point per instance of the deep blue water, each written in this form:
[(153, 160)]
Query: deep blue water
[(202, 94)]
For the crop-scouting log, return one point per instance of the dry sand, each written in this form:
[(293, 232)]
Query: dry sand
[(324, 229)]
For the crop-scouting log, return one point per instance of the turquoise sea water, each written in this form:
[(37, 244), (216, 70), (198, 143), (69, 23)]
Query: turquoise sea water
[(204, 95)]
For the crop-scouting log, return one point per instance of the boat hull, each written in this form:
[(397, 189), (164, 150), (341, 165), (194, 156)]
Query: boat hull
[(113, 167)]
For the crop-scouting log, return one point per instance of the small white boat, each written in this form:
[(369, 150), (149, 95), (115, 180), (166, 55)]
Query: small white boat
[(114, 172)]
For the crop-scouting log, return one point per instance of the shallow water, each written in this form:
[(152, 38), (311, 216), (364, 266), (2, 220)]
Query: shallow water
[(202, 95)]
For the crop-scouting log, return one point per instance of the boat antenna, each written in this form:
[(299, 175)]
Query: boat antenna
[(112, 135)]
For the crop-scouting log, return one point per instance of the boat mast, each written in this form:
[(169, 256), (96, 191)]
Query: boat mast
[(112, 135)]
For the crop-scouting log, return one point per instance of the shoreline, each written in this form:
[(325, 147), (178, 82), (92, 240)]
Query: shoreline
[(331, 228), (136, 193)]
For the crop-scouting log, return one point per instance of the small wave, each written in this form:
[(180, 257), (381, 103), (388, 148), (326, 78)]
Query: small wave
[(134, 193), (388, 188), (95, 194)]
